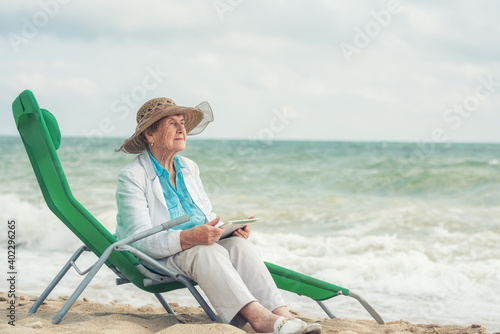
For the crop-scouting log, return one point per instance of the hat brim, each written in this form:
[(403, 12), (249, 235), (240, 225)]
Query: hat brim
[(137, 143)]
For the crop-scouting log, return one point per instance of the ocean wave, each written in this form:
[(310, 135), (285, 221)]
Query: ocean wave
[(425, 280), (38, 228)]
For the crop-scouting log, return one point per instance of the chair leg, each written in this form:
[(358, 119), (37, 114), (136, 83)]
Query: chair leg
[(208, 310), (95, 268), (367, 307), (326, 309), (164, 303), (175, 275), (56, 279)]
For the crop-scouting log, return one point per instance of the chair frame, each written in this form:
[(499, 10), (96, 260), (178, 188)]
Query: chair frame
[(161, 275), (166, 274), (128, 263)]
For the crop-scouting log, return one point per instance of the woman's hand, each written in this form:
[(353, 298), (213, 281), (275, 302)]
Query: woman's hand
[(205, 234), (243, 232)]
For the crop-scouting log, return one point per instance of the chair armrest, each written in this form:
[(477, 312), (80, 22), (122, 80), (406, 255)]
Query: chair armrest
[(141, 235)]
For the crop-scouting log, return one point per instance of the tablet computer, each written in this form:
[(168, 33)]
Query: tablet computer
[(232, 225)]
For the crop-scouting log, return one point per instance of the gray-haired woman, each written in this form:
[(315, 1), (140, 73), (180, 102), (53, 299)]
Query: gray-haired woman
[(159, 185)]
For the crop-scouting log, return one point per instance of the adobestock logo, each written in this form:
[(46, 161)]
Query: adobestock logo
[(223, 6), (137, 95), (30, 28), (120, 109), (250, 150), (453, 118), (470, 103), (371, 30)]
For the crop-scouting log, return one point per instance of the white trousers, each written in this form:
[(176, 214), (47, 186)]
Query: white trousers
[(232, 274)]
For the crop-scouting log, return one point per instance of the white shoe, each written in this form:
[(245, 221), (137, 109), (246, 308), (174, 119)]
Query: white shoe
[(313, 329), (283, 325), (310, 329)]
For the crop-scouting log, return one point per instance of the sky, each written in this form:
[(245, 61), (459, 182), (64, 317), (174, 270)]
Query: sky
[(418, 71)]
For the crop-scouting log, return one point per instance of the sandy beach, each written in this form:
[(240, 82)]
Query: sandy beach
[(89, 317)]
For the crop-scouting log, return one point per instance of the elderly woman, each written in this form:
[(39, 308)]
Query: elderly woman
[(159, 185)]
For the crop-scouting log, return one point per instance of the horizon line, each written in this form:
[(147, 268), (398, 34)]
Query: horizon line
[(380, 141)]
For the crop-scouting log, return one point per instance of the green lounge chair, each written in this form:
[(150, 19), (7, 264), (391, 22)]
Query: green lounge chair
[(41, 137)]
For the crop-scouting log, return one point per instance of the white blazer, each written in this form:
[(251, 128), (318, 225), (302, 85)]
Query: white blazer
[(141, 204)]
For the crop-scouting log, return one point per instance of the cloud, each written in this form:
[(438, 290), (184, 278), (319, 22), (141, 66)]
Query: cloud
[(93, 58)]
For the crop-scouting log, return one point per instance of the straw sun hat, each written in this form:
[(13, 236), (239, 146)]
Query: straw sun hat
[(195, 120)]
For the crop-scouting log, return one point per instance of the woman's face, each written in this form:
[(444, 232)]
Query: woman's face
[(170, 135)]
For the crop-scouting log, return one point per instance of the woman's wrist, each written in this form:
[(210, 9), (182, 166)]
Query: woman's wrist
[(185, 240)]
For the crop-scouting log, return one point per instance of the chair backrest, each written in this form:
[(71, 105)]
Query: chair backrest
[(41, 137)]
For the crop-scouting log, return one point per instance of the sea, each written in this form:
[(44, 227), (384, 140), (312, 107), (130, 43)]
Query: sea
[(414, 228)]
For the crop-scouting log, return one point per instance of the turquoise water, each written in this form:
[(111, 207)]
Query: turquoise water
[(413, 228)]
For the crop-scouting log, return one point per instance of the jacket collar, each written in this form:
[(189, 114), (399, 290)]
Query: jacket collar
[(147, 164), (160, 170)]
